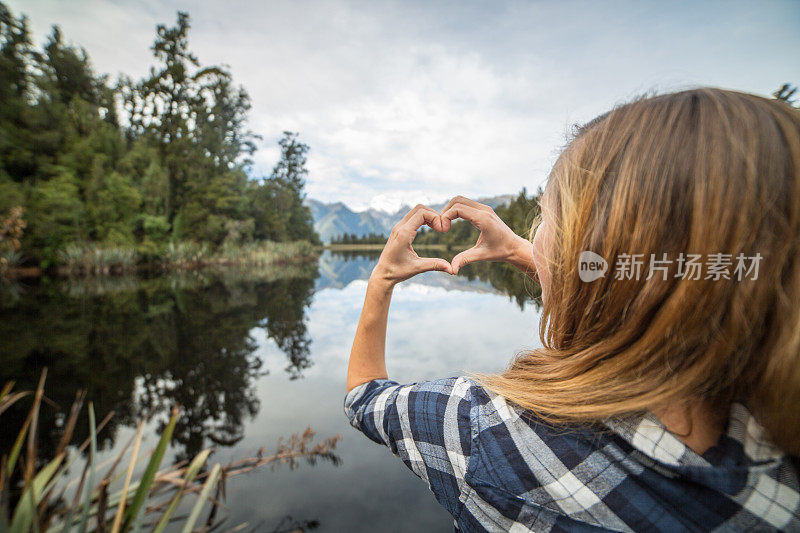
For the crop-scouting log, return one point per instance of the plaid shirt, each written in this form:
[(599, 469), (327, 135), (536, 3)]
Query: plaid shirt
[(496, 468)]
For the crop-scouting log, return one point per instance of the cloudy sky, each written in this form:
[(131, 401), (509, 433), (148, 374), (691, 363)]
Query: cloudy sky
[(406, 102)]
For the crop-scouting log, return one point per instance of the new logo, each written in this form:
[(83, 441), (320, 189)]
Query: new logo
[(591, 266)]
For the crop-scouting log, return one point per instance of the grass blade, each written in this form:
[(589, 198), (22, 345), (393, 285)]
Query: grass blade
[(128, 475), (92, 457), (195, 466), (31, 459), (14, 454), (198, 505), (150, 472), (25, 512), (6, 389), (6, 402)]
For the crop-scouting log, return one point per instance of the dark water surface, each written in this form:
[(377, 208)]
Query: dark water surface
[(252, 356)]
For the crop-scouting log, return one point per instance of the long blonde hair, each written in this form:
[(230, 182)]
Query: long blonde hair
[(704, 171)]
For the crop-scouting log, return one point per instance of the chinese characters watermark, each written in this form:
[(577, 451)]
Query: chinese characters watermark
[(715, 267)]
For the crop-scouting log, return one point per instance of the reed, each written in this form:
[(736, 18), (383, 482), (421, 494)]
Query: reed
[(266, 253), (85, 259), (145, 500)]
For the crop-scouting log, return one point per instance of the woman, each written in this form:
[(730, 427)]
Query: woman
[(666, 395)]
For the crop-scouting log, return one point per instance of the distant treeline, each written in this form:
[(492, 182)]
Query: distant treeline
[(138, 164), (519, 214), (352, 238)]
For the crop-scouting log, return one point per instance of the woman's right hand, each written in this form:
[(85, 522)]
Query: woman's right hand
[(497, 242)]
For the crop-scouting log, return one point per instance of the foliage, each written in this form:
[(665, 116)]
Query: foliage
[(40, 502), (786, 93), (283, 192), (12, 227), (136, 164)]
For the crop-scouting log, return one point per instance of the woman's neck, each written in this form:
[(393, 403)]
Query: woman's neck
[(699, 425)]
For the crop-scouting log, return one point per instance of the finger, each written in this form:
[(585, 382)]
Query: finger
[(425, 264), (472, 214), (466, 257), (424, 215), (412, 211), (466, 201)]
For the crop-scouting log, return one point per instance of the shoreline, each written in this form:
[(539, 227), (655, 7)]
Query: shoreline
[(300, 257), (377, 247), (303, 254)]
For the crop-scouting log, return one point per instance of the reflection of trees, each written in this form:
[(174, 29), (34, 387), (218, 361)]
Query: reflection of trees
[(507, 279), (284, 319), (142, 347)]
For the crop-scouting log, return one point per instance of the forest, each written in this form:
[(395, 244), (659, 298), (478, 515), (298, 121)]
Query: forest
[(135, 170)]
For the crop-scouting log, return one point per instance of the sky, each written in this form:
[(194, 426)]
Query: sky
[(417, 102)]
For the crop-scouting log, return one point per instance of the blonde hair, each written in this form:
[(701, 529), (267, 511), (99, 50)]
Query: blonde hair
[(704, 171)]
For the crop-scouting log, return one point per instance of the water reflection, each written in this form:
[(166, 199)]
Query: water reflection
[(340, 268), (252, 356), (139, 346)]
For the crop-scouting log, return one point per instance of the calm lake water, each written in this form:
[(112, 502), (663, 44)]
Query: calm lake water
[(254, 356)]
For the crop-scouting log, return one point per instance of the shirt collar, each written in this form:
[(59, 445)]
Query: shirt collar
[(742, 444)]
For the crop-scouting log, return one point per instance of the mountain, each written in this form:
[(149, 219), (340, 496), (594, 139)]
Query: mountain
[(336, 218)]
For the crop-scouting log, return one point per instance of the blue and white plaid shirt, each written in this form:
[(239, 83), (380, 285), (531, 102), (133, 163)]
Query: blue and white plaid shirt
[(495, 468)]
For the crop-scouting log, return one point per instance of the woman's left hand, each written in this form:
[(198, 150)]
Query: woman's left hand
[(399, 261)]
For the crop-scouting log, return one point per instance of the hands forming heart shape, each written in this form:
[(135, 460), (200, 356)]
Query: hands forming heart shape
[(399, 261)]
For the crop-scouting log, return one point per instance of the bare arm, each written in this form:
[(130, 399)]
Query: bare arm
[(367, 358)]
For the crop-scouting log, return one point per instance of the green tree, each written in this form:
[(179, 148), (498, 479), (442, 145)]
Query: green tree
[(59, 215), (291, 172), (195, 118), (137, 164), (276, 203)]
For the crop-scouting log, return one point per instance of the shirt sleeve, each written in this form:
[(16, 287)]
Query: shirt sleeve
[(425, 424)]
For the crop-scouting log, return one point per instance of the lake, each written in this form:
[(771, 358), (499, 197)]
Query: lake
[(252, 356)]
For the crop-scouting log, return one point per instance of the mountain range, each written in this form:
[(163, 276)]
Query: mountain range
[(333, 219)]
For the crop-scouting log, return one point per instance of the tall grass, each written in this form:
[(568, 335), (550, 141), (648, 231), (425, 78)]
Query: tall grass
[(93, 259), (39, 500), (266, 253), (85, 259), (185, 254)]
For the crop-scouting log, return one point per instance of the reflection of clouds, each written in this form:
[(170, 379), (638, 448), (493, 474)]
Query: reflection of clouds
[(433, 332), (338, 272), (268, 351)]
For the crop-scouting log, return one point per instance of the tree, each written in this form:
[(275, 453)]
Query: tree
[(137, 164), (276, 203), (291, 172), (195, 118), (786, 93)]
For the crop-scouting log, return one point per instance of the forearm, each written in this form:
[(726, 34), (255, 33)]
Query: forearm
[(521, 257), (367, 357)]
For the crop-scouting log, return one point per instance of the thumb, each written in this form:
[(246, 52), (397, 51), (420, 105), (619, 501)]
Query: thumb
[(464, 258), (433, 263)]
